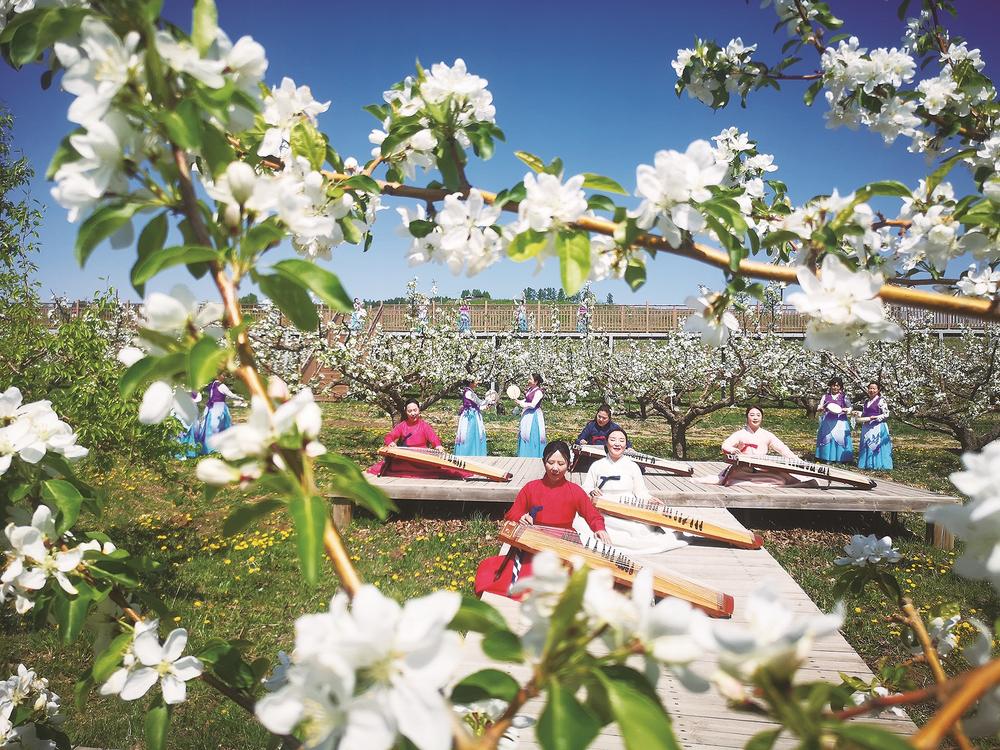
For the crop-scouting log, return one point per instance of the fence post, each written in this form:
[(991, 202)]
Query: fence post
[(647, 317)]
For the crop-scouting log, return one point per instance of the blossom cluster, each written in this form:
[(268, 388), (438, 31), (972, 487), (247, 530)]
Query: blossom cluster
[(29, 431), (27, 689), (710, 72), (868, 550), (977, 522), (250, 448), (146, 661), (367, 671), (37, 553), (448, 88)]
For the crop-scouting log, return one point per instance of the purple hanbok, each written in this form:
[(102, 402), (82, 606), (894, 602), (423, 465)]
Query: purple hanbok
[(216, 418), (875, 450), (833, 440)]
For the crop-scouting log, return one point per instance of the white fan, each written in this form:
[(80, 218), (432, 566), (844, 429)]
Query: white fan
[(513, 392)]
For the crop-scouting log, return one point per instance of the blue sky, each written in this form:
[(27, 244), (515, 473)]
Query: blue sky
[(587, 81)]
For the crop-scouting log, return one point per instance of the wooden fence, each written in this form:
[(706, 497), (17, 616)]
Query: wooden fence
[(625, 320)]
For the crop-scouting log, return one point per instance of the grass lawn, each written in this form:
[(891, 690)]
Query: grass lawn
[(247, 586)]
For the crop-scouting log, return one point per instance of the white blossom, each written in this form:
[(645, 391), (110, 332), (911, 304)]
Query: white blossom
[(282, 109), (148, 662), (865, 550), (979, 283), (175, 313), (182, 56), (713, 330), (550, 203)]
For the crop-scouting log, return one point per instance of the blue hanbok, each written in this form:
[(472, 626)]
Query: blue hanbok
[(531, 436), (833, 440), (875, 450), (216, 418), (470, 439), (188, 438)]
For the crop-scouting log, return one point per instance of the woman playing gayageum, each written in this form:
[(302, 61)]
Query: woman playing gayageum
[(531, 435), (618, 476), (753, 440)]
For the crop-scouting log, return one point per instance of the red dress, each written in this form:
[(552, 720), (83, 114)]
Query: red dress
[(416, 435), (552, 506)]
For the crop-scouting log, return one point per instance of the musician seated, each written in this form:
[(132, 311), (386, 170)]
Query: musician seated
[(753, 440), (550, 501), (597, 430), (412, 432), (616, 475)]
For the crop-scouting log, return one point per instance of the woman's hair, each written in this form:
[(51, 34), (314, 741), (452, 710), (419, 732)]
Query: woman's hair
[(467, 383), (556, 446), (605, 408), (617, 429), (750, 408), (408, 402), (876, 384), (537, 377), (835, 380)]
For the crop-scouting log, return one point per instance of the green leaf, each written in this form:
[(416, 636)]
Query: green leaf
[(867, 736), (100, 225), (810, 96), (66, 498), (136, 375), (70, 613), (363, 183), (527, 244), (503, 645), (475, 615), (635, 275), (245, 515), (934, 179), (64, 153), (600, 182), (309, 514), (764, 740), (348, 481), (644, 723), (554, 168), (291, 299), (204, 25), (204, 361), (216, 149), (398, 135), (531, 160), (420, 227), (779, 237), (574, 258), (183, 125), (487, 683), (601, 203), (146, 268), (31, 40), (261, 237), (116, 571), (156, 725), (320, 282), (888, 187), (307, 141), (153, 235), (564, 723)]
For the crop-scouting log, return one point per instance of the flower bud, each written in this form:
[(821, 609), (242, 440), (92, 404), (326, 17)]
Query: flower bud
[(242, 179)]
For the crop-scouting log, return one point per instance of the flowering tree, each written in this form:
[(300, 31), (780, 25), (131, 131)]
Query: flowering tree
[(153, 101)]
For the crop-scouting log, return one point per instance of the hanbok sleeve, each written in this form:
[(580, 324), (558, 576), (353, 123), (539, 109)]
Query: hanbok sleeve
[(535, 400), (731, 443), (585, 433), (224, 390), (471, 395), (430, 436), (585, 507), (639, 488), (780, 448), (520, 506), (883, 408), (395, 434), (590, 481)]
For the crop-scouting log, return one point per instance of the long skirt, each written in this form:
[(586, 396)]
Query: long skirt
[(470, 440), (190, 447), (531, 436), (875, 451), (216, 419), (833, 441)]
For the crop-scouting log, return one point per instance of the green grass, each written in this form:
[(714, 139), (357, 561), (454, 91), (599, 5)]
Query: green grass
[(248, 586)]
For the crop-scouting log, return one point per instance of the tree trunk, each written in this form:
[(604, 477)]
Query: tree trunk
[(811, 405), (678, 439)]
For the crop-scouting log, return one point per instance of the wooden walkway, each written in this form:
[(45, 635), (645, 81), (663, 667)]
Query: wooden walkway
[(702, 720), (886, 497)]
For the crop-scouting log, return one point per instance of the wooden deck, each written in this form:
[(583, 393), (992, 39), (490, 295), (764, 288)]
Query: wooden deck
[(702, 720), (681, 491)]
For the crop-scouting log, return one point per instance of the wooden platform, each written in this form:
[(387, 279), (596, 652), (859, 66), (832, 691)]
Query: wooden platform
[(702, 720)]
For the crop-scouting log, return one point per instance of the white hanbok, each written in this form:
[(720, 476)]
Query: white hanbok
[(623, 478)]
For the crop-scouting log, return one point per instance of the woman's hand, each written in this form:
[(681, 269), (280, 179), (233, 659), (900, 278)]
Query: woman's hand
[(526, 518), (392, 444), (603, 536), (596, 493), (439, 448)]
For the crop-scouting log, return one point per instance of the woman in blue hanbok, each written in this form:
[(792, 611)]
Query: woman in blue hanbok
[(470, 439), (833, 440), (531, 436), (875, 450), (216, 417)]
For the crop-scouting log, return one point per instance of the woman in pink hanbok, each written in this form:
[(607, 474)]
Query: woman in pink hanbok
[(753, 440)]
